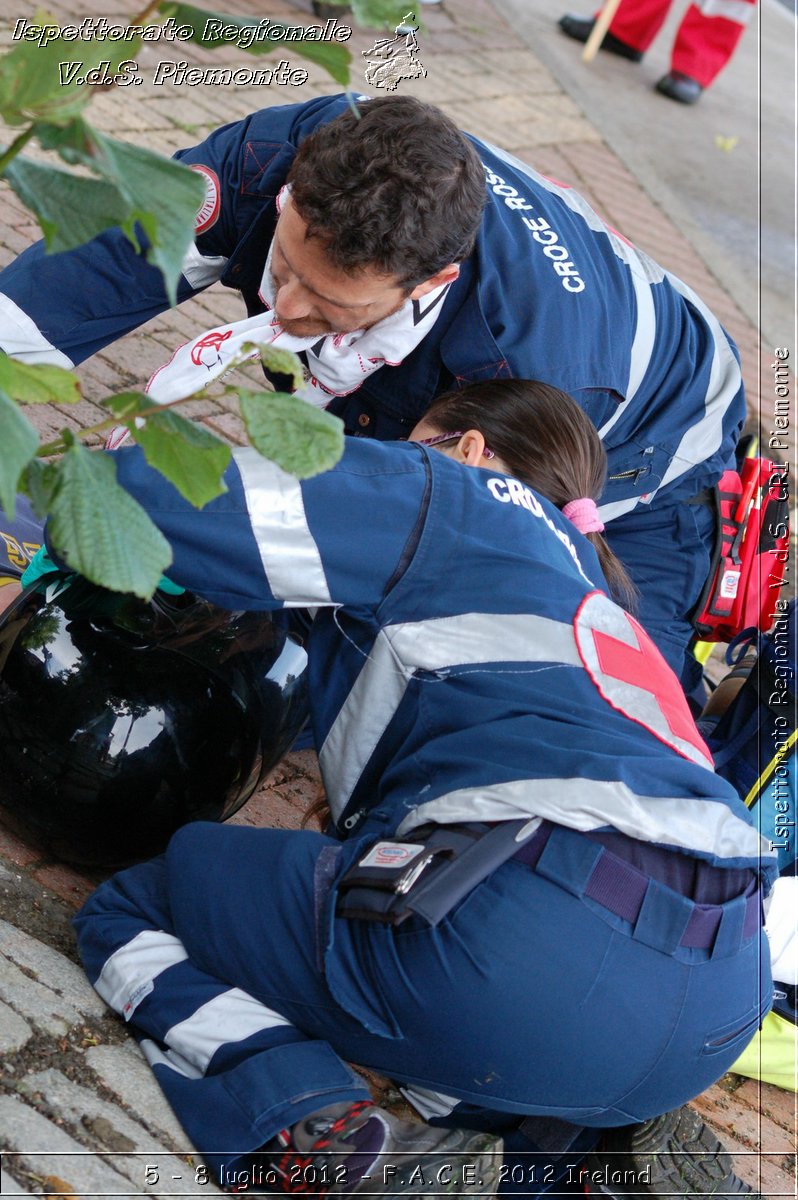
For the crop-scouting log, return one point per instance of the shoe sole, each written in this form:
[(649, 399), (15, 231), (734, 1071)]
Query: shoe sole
[(674, 1155), (464, 1164)]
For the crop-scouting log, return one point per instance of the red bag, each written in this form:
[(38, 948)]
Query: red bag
[(751, 552)]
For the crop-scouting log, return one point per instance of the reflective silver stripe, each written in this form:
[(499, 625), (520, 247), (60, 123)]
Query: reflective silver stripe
[(609, 512), (361, 721), (21, 337), (288, 551), (690, 824), (133, 966), (645, 333), (733, 10), (399, 650), (642, 347), (701, 440), (157, 1057), (429, 1103), (200, 270), (483, 638), (230, 1017)]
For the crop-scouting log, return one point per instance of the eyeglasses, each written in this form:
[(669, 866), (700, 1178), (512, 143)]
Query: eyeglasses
[(440, 438)]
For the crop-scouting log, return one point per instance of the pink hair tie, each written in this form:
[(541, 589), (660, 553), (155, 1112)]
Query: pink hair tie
[(584, 515)]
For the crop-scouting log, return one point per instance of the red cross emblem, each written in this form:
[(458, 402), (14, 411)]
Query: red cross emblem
[(631, 674)]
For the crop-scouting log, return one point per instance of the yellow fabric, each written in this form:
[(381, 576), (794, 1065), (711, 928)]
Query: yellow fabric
[(773, 1054), (780, 754), (702, 651)]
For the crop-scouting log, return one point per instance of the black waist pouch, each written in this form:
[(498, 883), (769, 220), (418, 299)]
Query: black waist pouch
[(428, 872)]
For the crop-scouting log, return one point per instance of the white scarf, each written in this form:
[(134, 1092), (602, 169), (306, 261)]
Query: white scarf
[(338, 363)]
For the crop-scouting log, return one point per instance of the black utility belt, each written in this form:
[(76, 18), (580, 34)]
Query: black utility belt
[(436, 866), (426, 873)]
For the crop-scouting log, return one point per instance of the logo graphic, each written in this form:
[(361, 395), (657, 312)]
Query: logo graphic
[(390, 60), (18, 556), (208, 212), (729, 584), (205, 351)]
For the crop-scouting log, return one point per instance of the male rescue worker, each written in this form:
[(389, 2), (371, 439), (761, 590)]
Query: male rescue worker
[(404, 258)]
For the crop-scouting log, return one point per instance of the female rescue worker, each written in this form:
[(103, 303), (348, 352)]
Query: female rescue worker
[(537, 900)]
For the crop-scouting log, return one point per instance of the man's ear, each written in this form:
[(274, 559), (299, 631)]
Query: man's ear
[(445, 275), (470, 448)]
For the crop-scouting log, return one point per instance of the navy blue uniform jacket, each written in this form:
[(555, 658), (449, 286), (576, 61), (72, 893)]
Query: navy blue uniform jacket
[(549, 293)]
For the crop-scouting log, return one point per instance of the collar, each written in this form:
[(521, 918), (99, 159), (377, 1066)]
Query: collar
[(459, 349)]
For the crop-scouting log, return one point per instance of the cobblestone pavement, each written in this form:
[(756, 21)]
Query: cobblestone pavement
[(79, 1112)]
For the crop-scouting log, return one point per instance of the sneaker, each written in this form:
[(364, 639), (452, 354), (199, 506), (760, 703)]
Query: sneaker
[(672, 1155), (359, 1149), (580, 29)]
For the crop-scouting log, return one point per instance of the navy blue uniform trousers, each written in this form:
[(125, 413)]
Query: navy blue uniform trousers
[(248, 993)]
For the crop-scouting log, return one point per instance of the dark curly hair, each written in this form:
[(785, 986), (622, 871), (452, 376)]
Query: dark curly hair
[(400, 190)]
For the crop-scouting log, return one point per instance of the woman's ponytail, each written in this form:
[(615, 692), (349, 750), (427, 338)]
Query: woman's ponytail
[(543, 438)]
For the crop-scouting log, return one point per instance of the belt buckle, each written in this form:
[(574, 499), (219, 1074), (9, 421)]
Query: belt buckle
[(413, 872)]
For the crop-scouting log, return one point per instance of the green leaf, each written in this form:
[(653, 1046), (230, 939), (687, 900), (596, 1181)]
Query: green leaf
[(281, 362), (301, 439), (39, 483), (99, 530), (376, 13), (38, 82), (19, 441), (74, 141), (164, 197), (70, 209), (189, 456), (136, 186), (209, 30), (127, 404), (38, 383)]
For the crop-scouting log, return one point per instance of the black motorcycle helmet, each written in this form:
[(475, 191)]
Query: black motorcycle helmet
[(121, 720)]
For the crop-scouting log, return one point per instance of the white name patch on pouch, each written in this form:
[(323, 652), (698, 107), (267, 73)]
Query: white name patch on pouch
[(391, 854)]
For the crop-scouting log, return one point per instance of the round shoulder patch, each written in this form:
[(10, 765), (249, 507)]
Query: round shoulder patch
[(632, 676), (208, 212)]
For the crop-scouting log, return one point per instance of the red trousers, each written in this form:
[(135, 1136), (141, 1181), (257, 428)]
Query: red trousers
[(705, 40)]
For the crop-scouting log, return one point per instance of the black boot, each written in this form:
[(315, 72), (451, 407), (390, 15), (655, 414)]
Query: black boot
[(580, 28), (672, 1155), (677, 86)]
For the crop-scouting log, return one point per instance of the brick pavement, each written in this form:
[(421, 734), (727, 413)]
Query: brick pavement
[(494, 86)]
